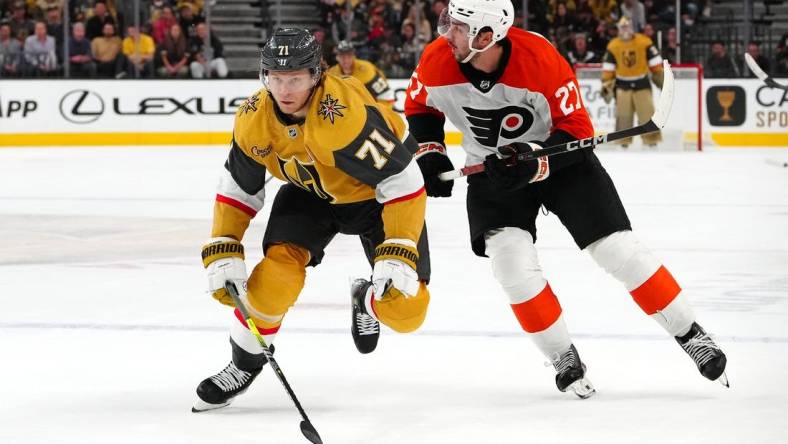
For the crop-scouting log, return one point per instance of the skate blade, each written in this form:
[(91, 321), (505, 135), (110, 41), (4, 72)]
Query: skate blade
[(724, 380), (202, 406), (582, 388)]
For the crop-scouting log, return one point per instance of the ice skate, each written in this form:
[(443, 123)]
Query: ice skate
[(707, 355), (570, 374), (363, 327), (220, 389)]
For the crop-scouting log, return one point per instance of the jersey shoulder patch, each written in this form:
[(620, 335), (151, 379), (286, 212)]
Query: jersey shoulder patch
[(336, 115), (249, 130)]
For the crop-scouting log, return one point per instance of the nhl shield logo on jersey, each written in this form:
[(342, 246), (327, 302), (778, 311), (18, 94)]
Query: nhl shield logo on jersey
[(292, 132), (330, 108), (488, 125)]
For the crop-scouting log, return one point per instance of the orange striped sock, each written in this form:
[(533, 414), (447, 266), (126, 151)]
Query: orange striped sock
[(657, 292), (539, 312)]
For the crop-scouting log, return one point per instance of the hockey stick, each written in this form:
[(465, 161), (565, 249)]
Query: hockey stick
[(658, 120), (765, 78), (306, 426)]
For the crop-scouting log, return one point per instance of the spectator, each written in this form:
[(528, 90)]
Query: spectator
[(418, 17), (208, 59), (434, 13), (670, 49), (79, 53), (648, 31), (139, 50), (411, 48), (719, 64), (580, 52), (174, 54), (188, 20), (326, 44), (19, 21), (10, 53), (563, 24), (754, 49), (584, 17), (604, 10), (163, 24), (55, 29), (599, 39), (106, 53), (781, 65), (46, 5), (39, 52), (95, 25), (636, 13), (552, 8)]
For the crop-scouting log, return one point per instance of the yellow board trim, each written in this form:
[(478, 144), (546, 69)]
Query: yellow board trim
[(722, 140), (774, 140), (108, 139)]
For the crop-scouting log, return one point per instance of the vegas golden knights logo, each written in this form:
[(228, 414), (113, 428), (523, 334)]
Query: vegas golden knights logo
[(630, 58), (304, 176)]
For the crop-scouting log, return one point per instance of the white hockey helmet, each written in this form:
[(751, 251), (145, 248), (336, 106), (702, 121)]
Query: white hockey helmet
[(498, 15)]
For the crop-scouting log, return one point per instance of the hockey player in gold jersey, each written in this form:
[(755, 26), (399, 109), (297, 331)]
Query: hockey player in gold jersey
[(366, 72), (348, 164), (625, 74)]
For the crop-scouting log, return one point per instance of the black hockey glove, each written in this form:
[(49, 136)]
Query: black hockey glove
[(432, 160), (508, 173)]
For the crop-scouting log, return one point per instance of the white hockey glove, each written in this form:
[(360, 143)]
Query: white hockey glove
[(223, 258), (395, 269)]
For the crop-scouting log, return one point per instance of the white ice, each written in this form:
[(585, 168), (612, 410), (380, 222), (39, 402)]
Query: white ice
[(105, 327)]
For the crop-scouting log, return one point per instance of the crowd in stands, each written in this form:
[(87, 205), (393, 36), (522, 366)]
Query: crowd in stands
[(169, 40), (392, 33), (172, 38)]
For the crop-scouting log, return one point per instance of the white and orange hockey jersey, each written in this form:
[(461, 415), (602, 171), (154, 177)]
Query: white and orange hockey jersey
[(533, 94)]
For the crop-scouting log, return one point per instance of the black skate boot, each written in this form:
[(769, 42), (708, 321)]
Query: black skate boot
[(570, 374), (363, 327), (707, 355), (220, 389)]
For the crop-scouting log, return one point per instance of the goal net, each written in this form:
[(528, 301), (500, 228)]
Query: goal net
[(683, 128)]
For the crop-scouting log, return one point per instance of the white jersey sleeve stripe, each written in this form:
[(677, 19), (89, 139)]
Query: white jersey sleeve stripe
[(230, 190)]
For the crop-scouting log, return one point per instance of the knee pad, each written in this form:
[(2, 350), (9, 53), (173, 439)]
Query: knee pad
[(624, 257), (402, 314), (515, 263), (275, 283)]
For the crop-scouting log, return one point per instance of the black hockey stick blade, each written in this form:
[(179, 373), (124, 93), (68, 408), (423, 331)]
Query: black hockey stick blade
[(658, 120), (765, 78), (310, 433)]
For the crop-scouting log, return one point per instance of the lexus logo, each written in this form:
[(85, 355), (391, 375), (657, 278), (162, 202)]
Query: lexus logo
[(81, 106)]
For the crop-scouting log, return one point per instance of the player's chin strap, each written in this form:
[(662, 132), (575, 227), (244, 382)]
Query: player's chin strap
[(474, 50)]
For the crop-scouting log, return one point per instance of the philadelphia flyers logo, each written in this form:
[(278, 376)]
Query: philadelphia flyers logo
[(509, 122)]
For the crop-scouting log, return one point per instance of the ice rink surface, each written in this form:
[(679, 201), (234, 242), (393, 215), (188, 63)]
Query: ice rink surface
[(105, 328)]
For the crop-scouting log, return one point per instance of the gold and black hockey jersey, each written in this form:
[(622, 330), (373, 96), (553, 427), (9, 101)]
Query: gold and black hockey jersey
[(372, 78), (342, 152), (630, 61)]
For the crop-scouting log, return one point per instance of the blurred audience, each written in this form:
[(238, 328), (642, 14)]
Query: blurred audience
[(80, 54), (107, 53), (208, 59), (139, 50), (720, 64)]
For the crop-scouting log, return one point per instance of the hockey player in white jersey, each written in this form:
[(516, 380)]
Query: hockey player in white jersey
[(509, 91)]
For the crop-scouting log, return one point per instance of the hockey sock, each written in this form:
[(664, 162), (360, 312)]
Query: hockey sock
[(541, 317), (659, 297)]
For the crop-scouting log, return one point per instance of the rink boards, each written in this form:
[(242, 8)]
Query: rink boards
[(734, 112)]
